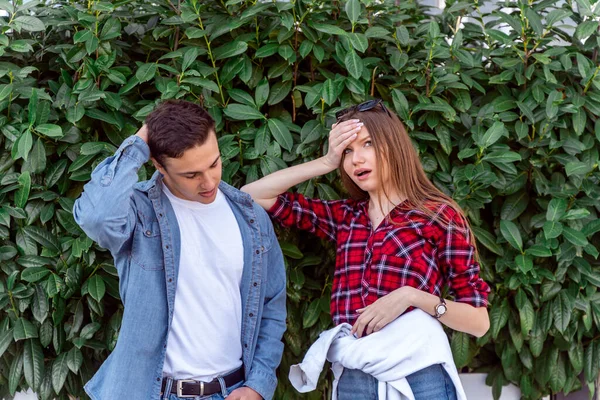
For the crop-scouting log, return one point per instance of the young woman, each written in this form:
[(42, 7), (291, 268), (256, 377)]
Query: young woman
[(399, 239)]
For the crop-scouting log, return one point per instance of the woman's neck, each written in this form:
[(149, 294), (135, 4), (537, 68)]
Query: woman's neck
[(384, 204)]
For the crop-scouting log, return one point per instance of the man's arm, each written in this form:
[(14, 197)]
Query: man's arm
[(269, 347), (104, 210)]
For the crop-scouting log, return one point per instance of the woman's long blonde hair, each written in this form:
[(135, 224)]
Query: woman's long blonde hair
[(404, 171)]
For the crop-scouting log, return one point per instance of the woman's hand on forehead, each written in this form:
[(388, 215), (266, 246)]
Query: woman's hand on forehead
[(340, 136)]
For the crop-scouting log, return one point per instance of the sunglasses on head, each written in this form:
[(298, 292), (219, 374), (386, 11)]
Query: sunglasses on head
[(366, 106)]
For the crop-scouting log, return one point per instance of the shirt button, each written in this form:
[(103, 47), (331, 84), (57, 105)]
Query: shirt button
[(255, 284), (160, 215), (251, 315), (246, 345), (251, 221), (167, 246), (257, 251), (158, 379), (170, 280)]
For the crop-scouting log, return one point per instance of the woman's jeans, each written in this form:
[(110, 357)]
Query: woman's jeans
[(431, 383)]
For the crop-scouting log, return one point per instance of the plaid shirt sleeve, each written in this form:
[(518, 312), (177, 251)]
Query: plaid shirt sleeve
[(320, 217), (457, 259)]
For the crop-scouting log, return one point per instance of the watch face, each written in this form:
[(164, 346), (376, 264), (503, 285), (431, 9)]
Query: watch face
[(441, 309)]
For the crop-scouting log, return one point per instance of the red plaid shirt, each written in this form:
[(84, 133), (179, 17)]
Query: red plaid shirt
[(414, 250)]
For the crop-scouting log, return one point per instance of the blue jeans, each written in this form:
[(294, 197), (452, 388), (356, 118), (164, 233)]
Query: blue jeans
[(225, 391), (431, 383)]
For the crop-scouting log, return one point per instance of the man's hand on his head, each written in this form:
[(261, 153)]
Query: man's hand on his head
[(143, 133)]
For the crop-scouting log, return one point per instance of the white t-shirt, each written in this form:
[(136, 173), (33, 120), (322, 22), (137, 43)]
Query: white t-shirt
[(205, 337)]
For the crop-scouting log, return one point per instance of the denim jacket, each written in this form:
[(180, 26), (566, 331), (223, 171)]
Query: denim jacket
[(136, 222)]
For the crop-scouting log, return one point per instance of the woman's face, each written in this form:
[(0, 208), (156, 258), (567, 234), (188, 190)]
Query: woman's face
[(360, 163)]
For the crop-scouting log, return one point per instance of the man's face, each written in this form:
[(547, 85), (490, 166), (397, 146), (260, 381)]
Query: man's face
[(195, 176)]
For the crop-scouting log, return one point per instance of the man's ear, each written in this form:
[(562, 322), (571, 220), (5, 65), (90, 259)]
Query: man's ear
[(157, 165)]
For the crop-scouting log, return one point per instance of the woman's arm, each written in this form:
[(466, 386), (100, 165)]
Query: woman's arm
[(459, 316), (265, 190)]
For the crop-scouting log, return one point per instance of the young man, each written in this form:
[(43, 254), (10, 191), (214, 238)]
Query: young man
[(201, 273)]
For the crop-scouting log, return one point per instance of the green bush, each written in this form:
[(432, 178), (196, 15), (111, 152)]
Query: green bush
[(503, 108)]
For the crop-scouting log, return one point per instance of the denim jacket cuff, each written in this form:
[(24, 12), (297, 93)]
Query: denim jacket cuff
[(135, 148), (262, 383)]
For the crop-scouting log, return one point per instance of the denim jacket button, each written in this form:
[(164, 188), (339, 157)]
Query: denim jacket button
[(251, 221), (255, 284), (257, 251), (148, 233), (251, 315)]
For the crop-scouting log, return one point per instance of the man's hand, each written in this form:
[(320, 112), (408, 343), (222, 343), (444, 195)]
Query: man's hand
[(143, 133), (386, 309), (244, 393)]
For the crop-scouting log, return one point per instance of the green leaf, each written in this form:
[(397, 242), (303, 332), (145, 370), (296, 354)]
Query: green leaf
[(50, 130), (145, 72), (311, 315), (330, 29), (261, 94), (22, 194), (23, 146), (556, 209), (242, 112), (15, 373), (487, 239), (43, 237), (6, 339), (30, 24), (38, 156), (503, 157), (60, 370), (575, 237), (189, 57), (291, 250), (354, 63), (281, 133), (514, 205), (499, 317), (33, 363), (24, 329), (460, 348), (586, 29), (328, 92), (96, 287), (492, 135), (562, 309), (74, 359), (552, 229), (353, 10), (511, 233), (534, 21), (279, 91), (524, 262), (34, 274), (554, 98), (579, 119), (230, 50)]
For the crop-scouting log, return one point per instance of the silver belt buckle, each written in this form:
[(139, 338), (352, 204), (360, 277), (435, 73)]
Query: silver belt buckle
[(180, 388)]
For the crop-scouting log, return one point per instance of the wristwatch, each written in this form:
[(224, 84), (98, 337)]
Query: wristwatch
[(441, 308)]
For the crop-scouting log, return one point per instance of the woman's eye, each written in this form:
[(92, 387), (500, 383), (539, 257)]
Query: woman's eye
[(368, 143), (347, 151)]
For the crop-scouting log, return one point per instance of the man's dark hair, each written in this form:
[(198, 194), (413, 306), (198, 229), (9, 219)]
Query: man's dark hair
[(176, 126)]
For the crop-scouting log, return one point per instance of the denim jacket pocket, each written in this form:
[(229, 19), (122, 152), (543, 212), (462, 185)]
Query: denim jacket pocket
[(146, 250)]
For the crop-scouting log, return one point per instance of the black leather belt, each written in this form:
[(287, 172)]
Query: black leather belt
[(191, 388)]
